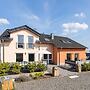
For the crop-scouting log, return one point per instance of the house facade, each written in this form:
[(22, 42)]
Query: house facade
[(25, 44)]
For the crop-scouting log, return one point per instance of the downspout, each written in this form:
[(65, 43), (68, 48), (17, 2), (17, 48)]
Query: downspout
[(53, 55), (60, 55), (59, 58), (2, 41), (3, 52)]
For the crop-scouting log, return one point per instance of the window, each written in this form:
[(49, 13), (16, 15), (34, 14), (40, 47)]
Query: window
[(45, 56), (65, 41), (20, 41), (30, 42), (76, 56), (87, 56), (19, 57), (48, 58), (47, 39), (31, 57), (68, 56), (68, 41)]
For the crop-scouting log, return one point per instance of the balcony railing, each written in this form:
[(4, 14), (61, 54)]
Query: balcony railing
[(30, 45), (19, 45), (23, 45)]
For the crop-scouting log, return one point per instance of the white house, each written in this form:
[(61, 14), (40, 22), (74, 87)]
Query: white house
[(25, 44)]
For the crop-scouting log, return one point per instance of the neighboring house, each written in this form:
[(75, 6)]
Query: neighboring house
[(25, 44)]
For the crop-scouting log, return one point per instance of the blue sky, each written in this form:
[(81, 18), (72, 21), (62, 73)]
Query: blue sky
[(62, 17)]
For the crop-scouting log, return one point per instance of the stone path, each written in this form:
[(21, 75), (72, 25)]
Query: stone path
[(63, 72)]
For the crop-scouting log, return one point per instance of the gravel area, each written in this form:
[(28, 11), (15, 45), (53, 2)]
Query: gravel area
[(57, 83)]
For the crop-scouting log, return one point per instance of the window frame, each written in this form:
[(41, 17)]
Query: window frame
[(76, 57), (20, 43), (30, 43), (69, 56)]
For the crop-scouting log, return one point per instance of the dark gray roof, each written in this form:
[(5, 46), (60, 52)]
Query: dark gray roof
[(7, 32), (58, 41)]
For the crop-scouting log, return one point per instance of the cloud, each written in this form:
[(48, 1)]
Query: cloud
[(82, 15), (34, 17), (74, 27), (4, 21)]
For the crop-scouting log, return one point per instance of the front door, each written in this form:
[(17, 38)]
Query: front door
[(31, 57)]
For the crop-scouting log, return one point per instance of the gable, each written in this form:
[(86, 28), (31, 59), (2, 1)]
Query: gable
[(7, 32), (24, 27), (24, 32)]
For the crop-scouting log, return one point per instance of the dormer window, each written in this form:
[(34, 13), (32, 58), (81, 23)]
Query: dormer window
[(47, 39), (65, 41), (20, 43), (30, 42)]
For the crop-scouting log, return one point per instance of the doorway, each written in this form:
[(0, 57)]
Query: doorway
[(48, 58), (31, 57)]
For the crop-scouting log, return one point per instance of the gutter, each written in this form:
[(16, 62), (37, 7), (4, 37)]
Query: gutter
[(2, 42)]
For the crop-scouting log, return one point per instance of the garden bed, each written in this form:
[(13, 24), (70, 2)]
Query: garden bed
[(32, 76), (16, 68)]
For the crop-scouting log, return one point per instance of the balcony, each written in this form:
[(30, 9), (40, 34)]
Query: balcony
[(19, 45)]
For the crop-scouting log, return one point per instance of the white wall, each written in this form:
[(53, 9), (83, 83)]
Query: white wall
[(11, 50)]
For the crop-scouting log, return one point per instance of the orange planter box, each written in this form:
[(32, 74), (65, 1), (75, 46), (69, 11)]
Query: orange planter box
[(7, 85)]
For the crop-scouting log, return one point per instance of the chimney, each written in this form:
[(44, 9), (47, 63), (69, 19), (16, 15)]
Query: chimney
[(52, 36)]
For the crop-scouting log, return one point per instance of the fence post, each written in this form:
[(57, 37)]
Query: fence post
[(79, 66)]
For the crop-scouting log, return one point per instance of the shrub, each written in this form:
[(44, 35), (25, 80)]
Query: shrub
[(14, 68), (36, 75), (4, 68), (31, 67), (40, 67), (22, 78), (85, 67), (25, 69)]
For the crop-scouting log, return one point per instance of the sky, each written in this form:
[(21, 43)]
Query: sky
[(70, 18)]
